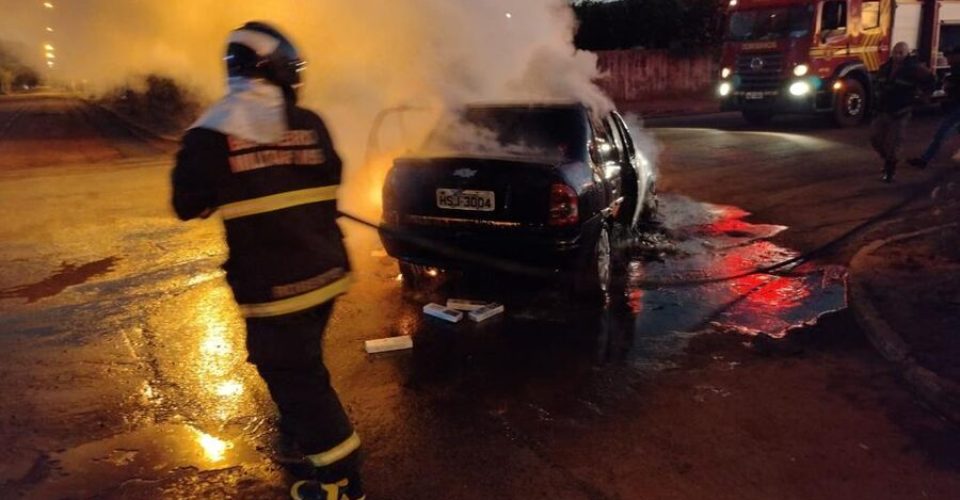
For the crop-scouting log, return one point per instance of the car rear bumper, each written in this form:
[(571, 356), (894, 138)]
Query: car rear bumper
[(540, 249)]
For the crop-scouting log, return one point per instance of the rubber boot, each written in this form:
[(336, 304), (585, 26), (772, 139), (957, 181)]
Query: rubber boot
[(344, 489), (889, 170)]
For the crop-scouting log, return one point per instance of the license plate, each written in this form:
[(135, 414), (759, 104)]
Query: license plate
[(753, 96), (455, 199)]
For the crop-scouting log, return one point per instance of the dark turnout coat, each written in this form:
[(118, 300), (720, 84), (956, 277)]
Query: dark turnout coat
[(899, 90), (278, 203)]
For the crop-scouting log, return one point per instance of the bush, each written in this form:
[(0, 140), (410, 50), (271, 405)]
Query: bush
[(14, 74), (651, 24), (157, 101)]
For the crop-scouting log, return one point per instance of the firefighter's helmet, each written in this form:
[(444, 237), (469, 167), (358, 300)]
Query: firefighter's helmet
[(258, 50)]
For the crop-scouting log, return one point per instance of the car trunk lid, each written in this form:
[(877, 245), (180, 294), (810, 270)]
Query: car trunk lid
[(464, 190)]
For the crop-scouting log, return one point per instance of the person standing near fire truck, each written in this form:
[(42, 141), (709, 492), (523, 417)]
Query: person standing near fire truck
[(270, 168), (951, 123), (899, 82)]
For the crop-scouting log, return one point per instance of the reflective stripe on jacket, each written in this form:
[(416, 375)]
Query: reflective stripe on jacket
[(279, 206)]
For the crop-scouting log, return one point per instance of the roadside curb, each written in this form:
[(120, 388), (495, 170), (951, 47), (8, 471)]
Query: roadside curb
[(941, 394), (137, 129)]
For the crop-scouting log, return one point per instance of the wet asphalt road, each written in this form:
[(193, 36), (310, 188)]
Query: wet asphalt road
[(121, 353)]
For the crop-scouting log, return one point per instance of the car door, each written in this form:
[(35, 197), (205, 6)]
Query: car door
[(637, 169)]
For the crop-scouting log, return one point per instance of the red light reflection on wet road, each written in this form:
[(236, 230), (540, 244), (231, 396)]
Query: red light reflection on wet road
[(719, 243)]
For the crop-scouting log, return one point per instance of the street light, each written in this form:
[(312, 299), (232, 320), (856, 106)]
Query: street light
[(49, 49)]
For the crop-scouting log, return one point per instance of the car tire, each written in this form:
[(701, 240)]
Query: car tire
[(850, 104), (651, 206), (757, 117), (414, 275), (631, 194), (596, 274)]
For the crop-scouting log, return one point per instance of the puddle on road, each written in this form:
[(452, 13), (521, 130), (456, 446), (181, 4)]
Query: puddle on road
[(150, 453), (68, 275), (688, 291)]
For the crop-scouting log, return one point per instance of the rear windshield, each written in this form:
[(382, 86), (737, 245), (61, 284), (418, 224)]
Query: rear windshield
[(552, 133)]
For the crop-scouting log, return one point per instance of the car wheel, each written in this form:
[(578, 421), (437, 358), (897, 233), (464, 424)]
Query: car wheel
[(850, 104), (596, 274), (414, 275), (757, 117)]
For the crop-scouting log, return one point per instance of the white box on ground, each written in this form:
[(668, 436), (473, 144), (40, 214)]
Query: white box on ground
[(441, 312), (388, 344), (486, 312), (465, 304)]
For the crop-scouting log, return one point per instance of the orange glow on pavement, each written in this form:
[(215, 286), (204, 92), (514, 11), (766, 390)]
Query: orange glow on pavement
[(214, 449)]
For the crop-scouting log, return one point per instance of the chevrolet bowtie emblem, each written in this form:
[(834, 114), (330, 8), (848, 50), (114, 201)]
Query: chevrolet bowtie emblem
[(466, 173)]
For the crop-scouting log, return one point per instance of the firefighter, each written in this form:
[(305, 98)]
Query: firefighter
[(899, 82), (269, 167)]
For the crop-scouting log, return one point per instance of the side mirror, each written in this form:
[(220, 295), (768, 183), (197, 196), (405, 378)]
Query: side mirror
[(595, 155)]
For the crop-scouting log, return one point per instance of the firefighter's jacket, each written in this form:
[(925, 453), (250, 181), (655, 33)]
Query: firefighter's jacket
[(900, 90), (278, 203)]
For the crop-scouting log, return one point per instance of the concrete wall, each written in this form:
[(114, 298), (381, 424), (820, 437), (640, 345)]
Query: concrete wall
[(637, 74)]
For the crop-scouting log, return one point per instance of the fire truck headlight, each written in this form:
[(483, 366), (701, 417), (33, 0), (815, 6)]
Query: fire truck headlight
[(724, 89), (801, 69), (800, 89), (725, 73)]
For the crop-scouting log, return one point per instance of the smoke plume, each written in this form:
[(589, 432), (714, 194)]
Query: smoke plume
[(364, 55)]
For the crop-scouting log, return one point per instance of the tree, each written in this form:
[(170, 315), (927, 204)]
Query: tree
[(13, 72), (655, 24)]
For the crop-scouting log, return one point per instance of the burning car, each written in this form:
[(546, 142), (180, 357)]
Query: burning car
[(547, 186)]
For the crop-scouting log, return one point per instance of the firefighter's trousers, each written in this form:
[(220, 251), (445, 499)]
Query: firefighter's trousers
[(948, 126), (288, 353), (887, 136)]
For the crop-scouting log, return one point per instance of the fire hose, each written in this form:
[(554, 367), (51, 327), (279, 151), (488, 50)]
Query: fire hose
[(521, 269)]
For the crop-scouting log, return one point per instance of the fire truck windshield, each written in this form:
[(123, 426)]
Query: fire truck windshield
[(770, 24)]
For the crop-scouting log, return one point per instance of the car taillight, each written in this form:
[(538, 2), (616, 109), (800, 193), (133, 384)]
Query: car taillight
[(564, 206)]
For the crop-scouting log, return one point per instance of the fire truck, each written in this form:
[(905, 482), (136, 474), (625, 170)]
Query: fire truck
[(821, 56)]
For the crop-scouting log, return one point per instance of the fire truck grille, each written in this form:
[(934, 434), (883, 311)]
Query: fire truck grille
[(759, 71)]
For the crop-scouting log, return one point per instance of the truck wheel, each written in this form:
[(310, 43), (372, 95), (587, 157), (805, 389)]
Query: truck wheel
[(757, 117), (594, 277), (850, 104)]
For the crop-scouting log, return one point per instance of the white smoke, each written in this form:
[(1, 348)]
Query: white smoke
[(365, 55)]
